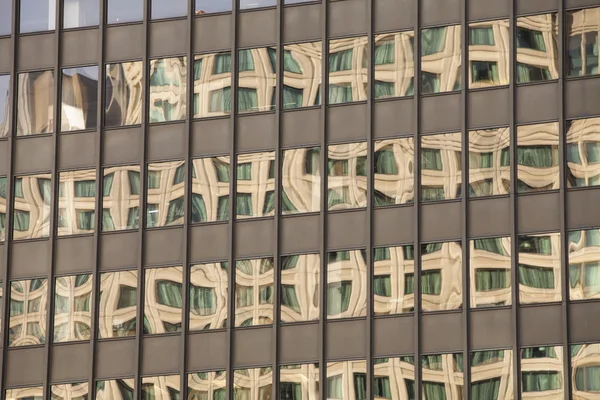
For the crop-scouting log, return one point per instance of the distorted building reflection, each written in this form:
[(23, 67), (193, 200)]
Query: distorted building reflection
[(441, 276), (442, 376), (585, 371), (32, 206), (394, 64), (117, 309), (537, 48), (35, 103), (210, 189), (301, 180), (490, 266), (5, 106), (441, 168), (208, 296), (302, 75), (72, 308), (207, 385), (346, 284), (116, 389), (348, 67), (123, 94), (121, 198), (538, 157), (77, 201), (489, 54), (582, 28), (393, 280), (79, 98), (539, 268), (583, 152), (257, 77), (441, 50), (584, 264), (394, 378), (28, 310), (299, 290), (299, 382), (163, 300), (167, 92), (28, 393), (253, 384), (542, 373), (489, 162), (346, 380), (255, 189), (254, 292), (70, 391), (161, 387), (165, 196), (492, 375), (347, 176), (212, 85), (3, 204), (393, 171)]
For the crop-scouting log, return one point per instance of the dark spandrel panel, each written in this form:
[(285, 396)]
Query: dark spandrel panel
[(394, 65), (442, 376), (207, 385), (37, 15), (80, 13), (117, 389), (584, 264), (118, 304), (28, 310), (537, 48), (29, 393), (393, 171), (394, 378), (161, 387), (299, 287), (121, 11), (539, 268), (441, 276), (347, 176), (441, 50), (581, 49), (249, 4), (121, 198), (585, 381), (255, 189), (123, 96), (393, 280), (489, 54), (254, 292), (212, 85), (542, 372), (210, 189), (441, 167), (346, 380), (299, 379), (209, 300), (68, 391), (538, 167), (256, 383), (169, 8), (492, 374), (301, 75), (583, 152), (165, 194), (490, 266), (163, 300), (257, 76), (35, 103), (5, 17), (32, 206), (72, 308), (79, 98), (212, 6), (348, 66), (5, 107), (301, 181), (346, 284), (489, 162), (167, 89)]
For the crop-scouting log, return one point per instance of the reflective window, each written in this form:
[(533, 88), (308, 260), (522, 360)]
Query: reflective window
[(489, 54), (37, 15), (35, 103), (299, 382), (542, 372), (161, 387), (537, 48), (584, 264), (212, 6), (441, 50), (299, 287), (394, 378), (248, 4), (254, 292), (121, 198), (441, 168), (255, 384), (348, 69), (393, 169), (3, 203), (492, 374), (165, 197), (29, 393), (394, 64), (207, 385), (347, 176), (5, 107), (257, 76), (490, 266), (123, 95), (121, 11), (393, 280), (73, 308), (255, 188), (212, 84), (167, 89), (168, 8), (118, 304), (116, 389), (442, 376), (5, 25), (32, 206), (537, 157), (1, 303), (585, 370), (539, 268), (583, 152), (75, 391), (210, 189), (28, 307), (80, 13), (582, 42), (209, 296), (346, 380), (76, 202), (301, 181), (302, 75), (489, 162), (163, 301), (346, 284), (441, 276), (79, 99)]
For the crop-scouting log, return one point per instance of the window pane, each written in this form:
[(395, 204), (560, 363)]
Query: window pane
[(346, 284), (490, 267), (27, 307), (5, 28), (80, 13), (441, 167), (393, 280), (348, 70), (208, 296), (123, 96), (167, 89), (256, 79), (5, 107), (212, 85), (165, 195), (584, 264), (254, 292), (247, 4), (300, 381), (489, 54), (585, 378), (441, 50), (394, 378), (299, 287), (37, 15), (255, 384), (301, 181), (169, 8), (161, 387), (539, 268), (77, 202), (347, 170), (491, 374), (255, 185), (582, 42), (210, 189), (32, 209), (117, 389), (542, 375), (442, 376), (441, 276), (537, 48), (301, 75), (207, 385), (121, 11), (583, 152), (212, 6), (79, 99), (3, 203), (29, 393), (72, 308), (346, 380), (537, 157), (163, 300), (35, 103), (393, 170), (78, 391), (118, 304), (121, 198), (394, 64), (489, 162)]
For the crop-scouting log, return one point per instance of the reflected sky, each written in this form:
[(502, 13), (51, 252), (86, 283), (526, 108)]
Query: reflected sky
[(5, 17), (37, 15), (121, 11), (169, 8), (212, 6), (80, 13)]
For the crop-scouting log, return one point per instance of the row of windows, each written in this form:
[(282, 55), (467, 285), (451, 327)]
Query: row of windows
[(491, 378)]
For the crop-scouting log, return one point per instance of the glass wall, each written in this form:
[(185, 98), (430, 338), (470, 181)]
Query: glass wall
[(394, 64), (299, 381), (210, 189), (5, 21), (346, 380), (163, 300), (37, 15), (255, 384), (542, 372), (165, 196), (346, 284), (77, 201), (584, 264), (168, 8), (492, 374), (537, 48), (29, 393), (394, 378), (207, 385), (489, 54), (539, 268), (121, 198), (35, 103), (123, 94), (32, 206), (73, 308), (299, 290), (168, 95), (210, 6), (394, 171), (583, 152), (302, 75), (585, 371), (117, 304), (255, 196), (209, 296), (257, 74), (489, 162), (80, 13), (582, 42), (121, 11), (248, 4), (441, 50), (3, 204), (28, 310), (490, 266), (79, 391), (348, 67), (347, 176), (116, 389), (254, 292), (393, 280), (212, 84), (441, 167), (301, 180), (161, 387), (538, 157), (5, 106), (442, 376), (441, 276)]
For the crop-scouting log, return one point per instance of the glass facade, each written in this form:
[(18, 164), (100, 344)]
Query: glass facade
[(35, 103)]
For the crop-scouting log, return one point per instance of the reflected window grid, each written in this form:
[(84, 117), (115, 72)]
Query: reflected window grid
[(442, 376), (255, 383), (299, 381), (76, 202), (537, 48), (168, 95), (116, 389), (79, 391), (489, 54), (208, 296), (212, 85), (123, 85), (254, 292), (347, 176), (441, 167), (393, 178), (207, 385), (394, 378), (346, 284), (584, 264), (72, 308), (539, 268), (583, 152), (490, 269), (492, 374), (302, 75), (394, 65), (538, 167), (441, 50), (255, 185), (162, 387), (28, 308), (163, 300), (489, 162), (585, 367), (32, 206), (117, 310), (165, 184), (348, 68), (393, 280), (121, 198), (210, 189), (542, 371), (29, 393), (346, 380), (581, 49), (441, 276), (257, 77), (301, 181), (299, 287)]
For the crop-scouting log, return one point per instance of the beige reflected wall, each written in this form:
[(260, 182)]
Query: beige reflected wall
[(210, 189), (165, 196), (207, 385), (489, 54), (489, 162), (585, 367), (117, 310), (346, 380), (441, 276), (393, 280), (29, 393), (583, 152), (255, 189), (163, 300), (32, 206), (582, 41), (167, 91), (442, 376), (441, 168), (490, 266), (301, 181), (77, 201), (538, 161), (35, 103), (539, 268), (257, 77), (441, 50), (492, 374), (302, 75), (348, 67), (394, 64), (28, 311), (584, 264), (161, 387), (75, 391), (393, 179), (116, 389), (123, 94), (299, 290), (394, 378), (255, 384), (208, 296), (3, 203), (346, 284), (73, 302), (299, 381), (537, 48), (347, 176), (254, 292), (121, 198), (542, 373), (212, 85)]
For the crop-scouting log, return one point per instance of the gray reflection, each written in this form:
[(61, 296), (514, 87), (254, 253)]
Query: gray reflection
[(208, 296), (72, 308), (394, 171), (394, 64), (299, 290), (118, 304), (537, 48), (161, 387), (539, 268), (489, 162), (165, 196), (302, 75), (441, 50), (346, 380), (489, 54), (492, 375), (254, 292), (121, 198), (75, 391), (299, 381), (585, 371), (443, 376), (441, 276), (35, 103), (582, 42), (28, 309), (255, 196), (584, 264), (212, 85), (346, 284), (393, 280), (76, 202), (490, 266), (441, 167), (29, 393), (168, 8), (163, 300), (79, 98), (37, 15), (80, 13), (117, 389), (537, 157), (542, 372), (123, 96), (212, 6), (167, 89), (394, 378), (255, 384), (583, 152), (4, 103), (347, 176), (247, 4), (32, 206), (301, 181), (3, 203), (121, 11), (207, 385), (210, 189), (348, 69), (257, 76), (5, 20)]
